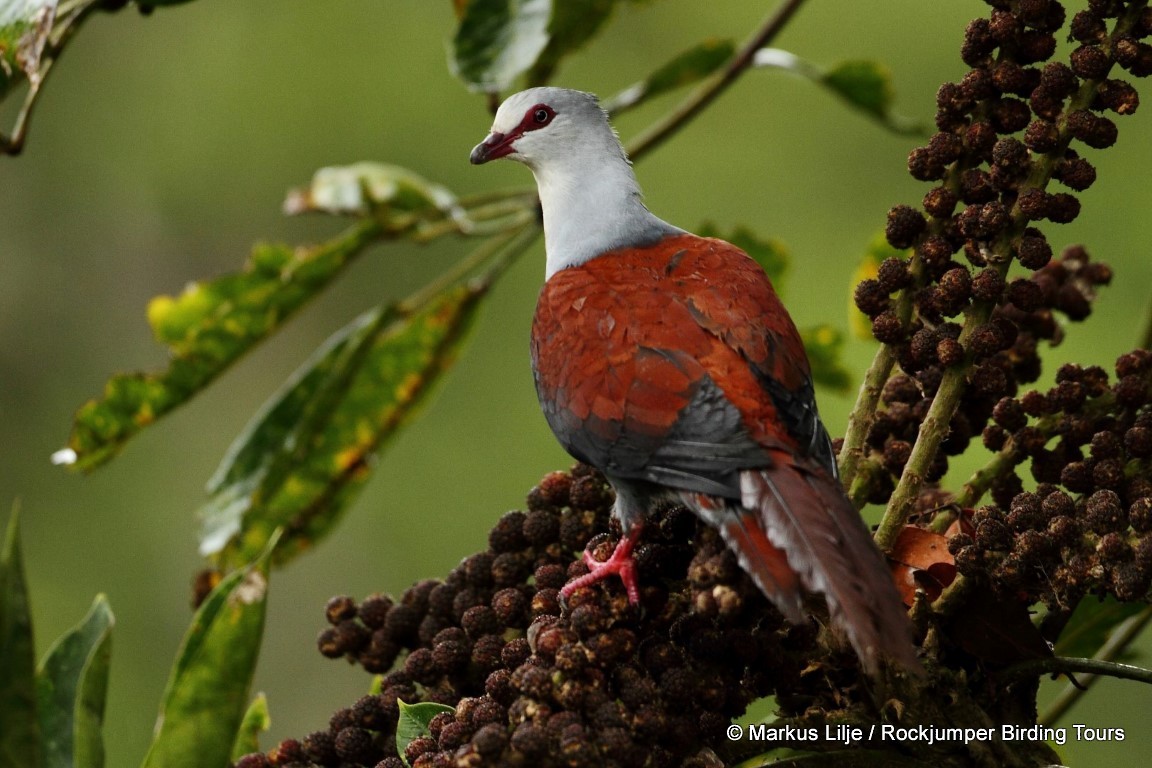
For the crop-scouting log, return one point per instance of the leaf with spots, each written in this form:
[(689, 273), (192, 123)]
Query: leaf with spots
[(307, 453), (499, 40), (379, 188), (24, 29), (207, 692), (206, 329)]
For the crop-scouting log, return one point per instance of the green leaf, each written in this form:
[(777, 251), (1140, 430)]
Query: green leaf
[(499, 40), (1091, 625), (865, 85), (368, 187), (20, 734), (24, 29), (207, 690), (877, 251), (573, 24), (770, 253), (72, 687), (207, 328), (302, 459), (413, 722), (256, 721), (825, 347), (689, 67)]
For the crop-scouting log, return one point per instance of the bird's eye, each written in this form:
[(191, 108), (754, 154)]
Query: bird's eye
[(542, 116)]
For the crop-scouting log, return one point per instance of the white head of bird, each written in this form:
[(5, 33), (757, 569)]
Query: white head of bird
[(589, 194)]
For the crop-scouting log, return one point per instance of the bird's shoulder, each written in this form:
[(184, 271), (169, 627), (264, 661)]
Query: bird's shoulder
[(685, 291)]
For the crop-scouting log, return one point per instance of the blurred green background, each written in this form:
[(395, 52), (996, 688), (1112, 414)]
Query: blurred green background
[(162, 150)]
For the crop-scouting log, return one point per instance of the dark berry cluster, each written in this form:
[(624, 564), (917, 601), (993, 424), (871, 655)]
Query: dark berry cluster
[(1087, 528), (1001, 354), (1004, 132), (600, 682), (953, 316)]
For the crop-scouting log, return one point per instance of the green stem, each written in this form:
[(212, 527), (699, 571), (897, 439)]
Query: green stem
[(1066, 664), (1003, 461), (511, 242), (692, 106), (860, 420), (1120, 640)]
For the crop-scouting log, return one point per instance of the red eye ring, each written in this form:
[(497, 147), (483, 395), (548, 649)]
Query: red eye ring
[(537, 117)]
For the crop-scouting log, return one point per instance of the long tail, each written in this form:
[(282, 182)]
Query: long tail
[(799, 528)]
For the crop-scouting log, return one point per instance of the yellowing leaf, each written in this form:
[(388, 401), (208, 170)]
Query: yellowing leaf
[(207, 328), (301, 460), (360, 188)]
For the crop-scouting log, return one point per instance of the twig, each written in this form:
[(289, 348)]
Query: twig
[(660, 132), (1066, 664), (508, 245), (973, 490), (1120, 639), (860, 420)]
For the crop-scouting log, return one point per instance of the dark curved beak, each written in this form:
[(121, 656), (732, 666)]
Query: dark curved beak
[(494, 146)]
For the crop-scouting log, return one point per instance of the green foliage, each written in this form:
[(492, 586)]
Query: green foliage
[(20, 736), (256, 721), (72, 687), (414, 721), (865, 85), (207, 328), (24, 29), (499, 40), (300, 461), (1092, 624), (573, 23), (51, 715), (205, 699), (363, 188), (691, 66)]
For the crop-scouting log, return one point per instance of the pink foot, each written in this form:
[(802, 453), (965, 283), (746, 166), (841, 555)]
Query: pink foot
[(620, 563)]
